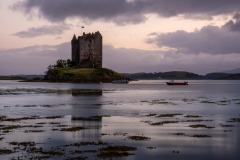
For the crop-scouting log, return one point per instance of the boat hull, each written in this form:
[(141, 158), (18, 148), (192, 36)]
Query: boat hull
[(176, 83)]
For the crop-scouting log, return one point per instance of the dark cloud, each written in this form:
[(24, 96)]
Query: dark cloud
[(43, 31), (209, 39), (125, 11), (35, 60), (234, 24)]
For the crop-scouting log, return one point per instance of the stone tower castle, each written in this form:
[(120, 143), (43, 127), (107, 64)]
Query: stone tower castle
[(87, 50)]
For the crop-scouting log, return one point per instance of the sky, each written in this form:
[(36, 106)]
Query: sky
[(138, 35)]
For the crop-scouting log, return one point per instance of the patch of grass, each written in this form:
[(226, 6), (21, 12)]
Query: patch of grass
[(54, 123), (234, 120), (17, 119), (205, 101), (195, 135), (53, 117), (120, 134), (193, 116), (162, 123), (78, 92), (197, 120), (2, 118), (25, 144), (227, 125), (5, 151), (179, 134), (169, 115), (33, 131), (151, 115), (9, 127), (139, 138), (41, 123), (200, 126), (83, 74), (161, 102), (200, 136), (115, 151), (99, 143), (76, 152)]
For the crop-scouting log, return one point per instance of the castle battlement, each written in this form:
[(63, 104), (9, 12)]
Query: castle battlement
[(87, 50)]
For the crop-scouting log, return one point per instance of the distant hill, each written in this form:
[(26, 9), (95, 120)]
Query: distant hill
[(11, 78), (231, 77), (21, 77), (237, 70), (181, 75), (216, 75)]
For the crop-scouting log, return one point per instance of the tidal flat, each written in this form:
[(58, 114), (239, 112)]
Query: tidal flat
[(139, 120)]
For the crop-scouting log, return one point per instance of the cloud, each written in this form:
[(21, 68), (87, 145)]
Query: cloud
[(234, 24), (126, 11), (43, 31), (135, 60), (209, 39), (36, 59), (33, 59)]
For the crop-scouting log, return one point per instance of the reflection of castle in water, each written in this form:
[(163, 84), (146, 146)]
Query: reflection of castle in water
[(86, 92), (86, 113), (92, 125)]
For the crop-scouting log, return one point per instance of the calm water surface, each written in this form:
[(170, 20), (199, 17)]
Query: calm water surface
[(180, 122)]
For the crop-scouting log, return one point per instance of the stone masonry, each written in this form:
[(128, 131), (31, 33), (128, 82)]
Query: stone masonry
[(87, 50)]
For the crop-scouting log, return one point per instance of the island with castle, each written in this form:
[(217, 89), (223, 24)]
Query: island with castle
[(85, 65)]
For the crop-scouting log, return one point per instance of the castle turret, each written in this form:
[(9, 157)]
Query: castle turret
[(75, 50)]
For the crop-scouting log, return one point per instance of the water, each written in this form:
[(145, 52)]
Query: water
[(164, 114)]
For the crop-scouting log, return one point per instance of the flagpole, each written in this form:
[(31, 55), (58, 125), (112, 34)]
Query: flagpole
[(81, 29)]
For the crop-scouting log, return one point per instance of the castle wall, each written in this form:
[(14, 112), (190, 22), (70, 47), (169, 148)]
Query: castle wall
[(88, 53)]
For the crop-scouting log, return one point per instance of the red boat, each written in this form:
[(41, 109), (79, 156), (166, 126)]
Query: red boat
[(177, 83)]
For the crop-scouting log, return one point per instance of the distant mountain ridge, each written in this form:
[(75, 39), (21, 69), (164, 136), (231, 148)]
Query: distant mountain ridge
[(182, 75), (236, 70)]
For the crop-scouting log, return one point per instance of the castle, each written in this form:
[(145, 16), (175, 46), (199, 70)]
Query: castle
[(87, 50)]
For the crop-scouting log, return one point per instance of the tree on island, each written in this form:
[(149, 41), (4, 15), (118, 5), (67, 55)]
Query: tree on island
[(52, 71)]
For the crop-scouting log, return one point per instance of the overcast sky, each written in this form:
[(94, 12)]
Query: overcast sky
[(138, 35)]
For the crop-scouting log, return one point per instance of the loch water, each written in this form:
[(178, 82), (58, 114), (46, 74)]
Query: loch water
[(197, 121)]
